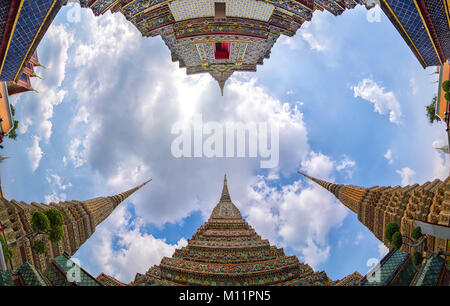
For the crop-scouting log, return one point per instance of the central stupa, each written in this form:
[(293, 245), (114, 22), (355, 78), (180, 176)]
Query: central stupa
[(226, 250)]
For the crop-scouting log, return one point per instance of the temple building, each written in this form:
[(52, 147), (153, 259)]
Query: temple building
[(218, 37), (425, 27), (226, 250), (22, 26), (23, 83), (80, 220), (426, 206)]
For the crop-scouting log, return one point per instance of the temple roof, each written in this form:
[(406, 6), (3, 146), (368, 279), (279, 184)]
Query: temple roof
[(226, 250)]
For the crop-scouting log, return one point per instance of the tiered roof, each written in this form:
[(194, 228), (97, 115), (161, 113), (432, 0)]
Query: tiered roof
[(226, 250)]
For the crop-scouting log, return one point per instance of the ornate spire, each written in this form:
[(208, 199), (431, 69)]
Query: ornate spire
[(348, 195), (333, 188), (221, 85), (118, 198), (80, 221), (379, 205), (100, 208), (226, 250), (225, 208), (225, 197), (221, 78)]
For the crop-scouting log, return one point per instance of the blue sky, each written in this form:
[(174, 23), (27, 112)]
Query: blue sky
[(348, 94)]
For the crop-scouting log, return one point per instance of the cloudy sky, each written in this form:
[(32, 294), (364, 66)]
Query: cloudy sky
[(348, 95)]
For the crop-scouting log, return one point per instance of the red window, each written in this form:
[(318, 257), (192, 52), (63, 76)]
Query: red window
[(222, 50)]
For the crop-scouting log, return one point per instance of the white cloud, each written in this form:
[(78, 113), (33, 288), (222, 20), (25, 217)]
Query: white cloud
[(407, 175), (134, 138), (297, 216), (55, 197), (359, 238), (311, 39), (37, 108), (413, 84), (318, 165), (108, 37), (59, 40), (384, 102), (35, 153), (24, 124), (382, 250), (346, 165), (57, 187), (128, 143), (123, 248), (388, 156), (314, 33), (440, 165), (76, 153)]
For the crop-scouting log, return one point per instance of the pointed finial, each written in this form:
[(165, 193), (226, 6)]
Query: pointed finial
[(42, 66), (36, 76), (221, 84), (144, 183), (301, 173), (225, 194), (306, 175), (444, 149), (118, 198), (327, 185)]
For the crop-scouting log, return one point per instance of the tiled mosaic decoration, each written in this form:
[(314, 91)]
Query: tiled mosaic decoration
[(5, 5), (187, 9), (436, 9), (32, 15), (410, 19), (385, 272), (135, 7), (430, 273), (100, 7)]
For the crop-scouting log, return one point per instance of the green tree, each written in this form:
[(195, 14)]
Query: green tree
[(446, 86), (48, 224), (390, 229), (397, 240), (431, 111), (56, 234), (40, 222), (55, 217), (13, 134), (39, 246), (417, 258), (416, 232)]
